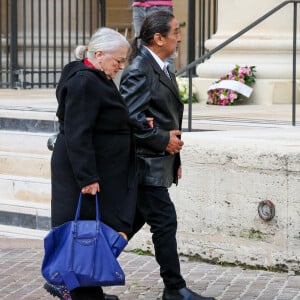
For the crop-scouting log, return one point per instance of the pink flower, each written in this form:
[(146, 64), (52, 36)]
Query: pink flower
[(230, 97), (222, 97), (245, 70), (233, 95)]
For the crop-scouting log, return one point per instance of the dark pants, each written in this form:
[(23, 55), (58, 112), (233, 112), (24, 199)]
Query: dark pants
[(87, 293), (156, 209)]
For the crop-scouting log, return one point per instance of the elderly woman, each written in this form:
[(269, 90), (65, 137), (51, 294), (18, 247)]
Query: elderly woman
[(94, 150)]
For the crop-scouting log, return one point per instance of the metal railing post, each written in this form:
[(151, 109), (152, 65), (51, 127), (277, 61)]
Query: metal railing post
[(294, 64), (191, 54), (191, 30), (103, 15), (14, 74), (190, 100)]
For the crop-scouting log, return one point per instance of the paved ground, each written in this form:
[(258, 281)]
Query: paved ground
[(20, 277)]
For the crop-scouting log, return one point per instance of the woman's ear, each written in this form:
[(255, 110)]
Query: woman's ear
[(99, 54)]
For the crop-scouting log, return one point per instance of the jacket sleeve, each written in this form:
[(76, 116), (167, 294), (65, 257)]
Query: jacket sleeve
[(81, 110), (135, 88)]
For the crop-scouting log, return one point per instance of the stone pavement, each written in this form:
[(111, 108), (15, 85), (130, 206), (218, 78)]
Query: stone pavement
[(20, 277)]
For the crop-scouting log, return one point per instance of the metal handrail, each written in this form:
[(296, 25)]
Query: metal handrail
[(201, 59)]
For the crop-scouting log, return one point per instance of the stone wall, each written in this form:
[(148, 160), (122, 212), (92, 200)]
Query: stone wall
[(225, 177)]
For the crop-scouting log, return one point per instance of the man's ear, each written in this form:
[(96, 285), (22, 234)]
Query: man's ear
[(158, 39)]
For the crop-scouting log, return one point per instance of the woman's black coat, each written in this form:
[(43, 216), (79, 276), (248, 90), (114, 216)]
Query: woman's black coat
[(95, 144)]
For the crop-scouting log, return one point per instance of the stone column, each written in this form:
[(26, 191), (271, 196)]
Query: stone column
[(268, 46), (3, 19)]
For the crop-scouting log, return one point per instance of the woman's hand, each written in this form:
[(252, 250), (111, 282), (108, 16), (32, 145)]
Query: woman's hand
[(91, 189)]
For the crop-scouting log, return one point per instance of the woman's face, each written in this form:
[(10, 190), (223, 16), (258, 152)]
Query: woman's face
[(112, 62)]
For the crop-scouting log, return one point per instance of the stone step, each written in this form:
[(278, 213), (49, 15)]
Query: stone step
[(28, 111), (25, 164), (30, 124), (24, 214), (24, 154), (25, 188), (24, 142), (22, 234)]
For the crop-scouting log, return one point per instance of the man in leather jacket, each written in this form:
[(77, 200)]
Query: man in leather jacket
[(151, 91)]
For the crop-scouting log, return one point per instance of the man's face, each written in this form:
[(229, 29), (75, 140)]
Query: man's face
[(173, 39)]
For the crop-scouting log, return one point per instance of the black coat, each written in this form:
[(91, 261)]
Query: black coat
[(148, 92), (95, 144)]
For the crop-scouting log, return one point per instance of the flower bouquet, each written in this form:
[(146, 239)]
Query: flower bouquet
[(231, 88), (183, 86)]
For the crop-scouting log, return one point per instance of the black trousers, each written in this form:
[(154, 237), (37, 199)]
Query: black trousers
[(87, 293), (155, 207)]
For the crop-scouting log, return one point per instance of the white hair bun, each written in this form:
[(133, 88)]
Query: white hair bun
[(79, 52)]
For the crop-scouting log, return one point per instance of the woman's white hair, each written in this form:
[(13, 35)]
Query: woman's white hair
[(104, 39)]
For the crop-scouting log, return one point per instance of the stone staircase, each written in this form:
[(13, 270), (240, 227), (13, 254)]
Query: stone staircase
[(25, 189)]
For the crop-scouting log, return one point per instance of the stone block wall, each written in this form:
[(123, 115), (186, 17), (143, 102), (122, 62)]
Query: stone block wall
[(225, 177)]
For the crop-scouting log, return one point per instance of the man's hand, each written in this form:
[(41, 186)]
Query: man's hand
[(179, 173), (175, 144)]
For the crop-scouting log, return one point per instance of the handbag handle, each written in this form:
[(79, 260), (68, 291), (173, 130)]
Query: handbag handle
[(79, 206)]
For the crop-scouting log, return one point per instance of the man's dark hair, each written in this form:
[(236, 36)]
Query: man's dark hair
[(157, 22)]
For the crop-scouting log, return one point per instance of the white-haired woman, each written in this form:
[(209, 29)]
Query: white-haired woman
[(94, 150)]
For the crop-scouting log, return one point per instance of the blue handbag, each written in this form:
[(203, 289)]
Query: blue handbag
[(83, 253)]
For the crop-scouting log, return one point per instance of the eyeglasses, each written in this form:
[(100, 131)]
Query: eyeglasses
[(120, 61)]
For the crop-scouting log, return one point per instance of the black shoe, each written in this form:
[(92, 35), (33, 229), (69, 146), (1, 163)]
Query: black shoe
[(59, 291), (62, 292), (183, 294), (110, 297)]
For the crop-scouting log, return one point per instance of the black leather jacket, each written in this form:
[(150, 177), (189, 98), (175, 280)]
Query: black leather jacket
[(148, 92)]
